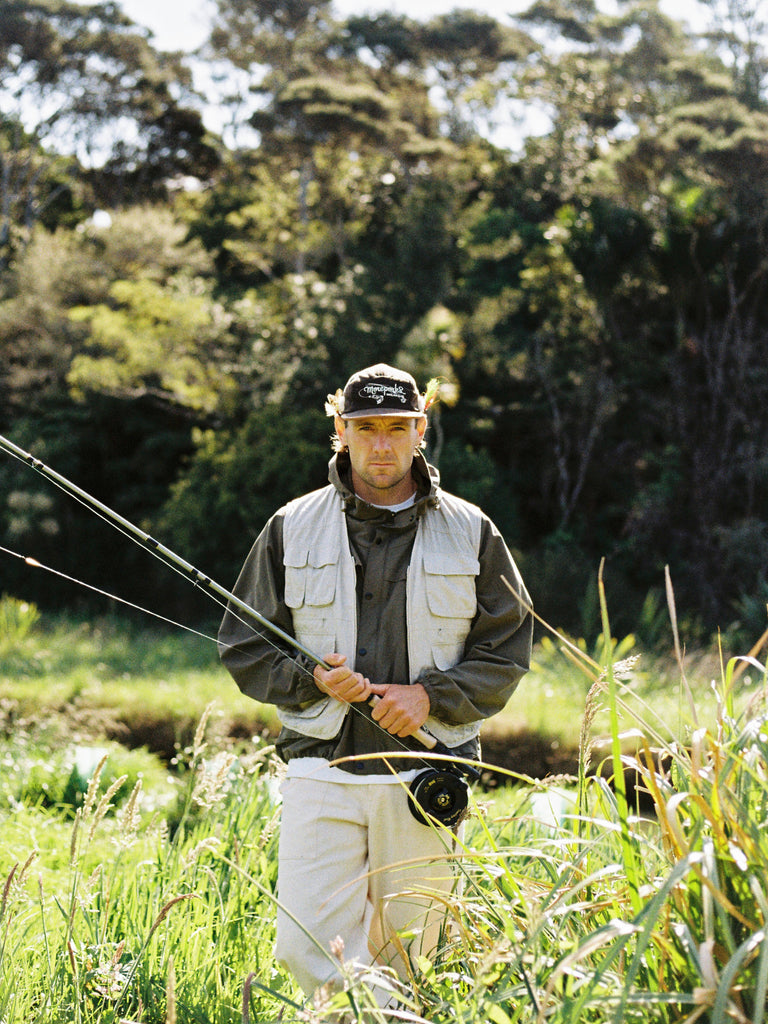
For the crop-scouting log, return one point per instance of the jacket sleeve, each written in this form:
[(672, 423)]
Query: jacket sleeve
[(263, 667), (497, 651)]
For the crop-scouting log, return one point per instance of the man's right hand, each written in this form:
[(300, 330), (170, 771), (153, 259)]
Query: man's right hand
[(340, 681)]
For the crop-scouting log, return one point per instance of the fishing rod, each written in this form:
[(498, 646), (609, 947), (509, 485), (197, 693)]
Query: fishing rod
[(155, 548), (437, 793)]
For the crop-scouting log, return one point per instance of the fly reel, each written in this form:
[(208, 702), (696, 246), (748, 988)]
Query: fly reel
[(440, 794)]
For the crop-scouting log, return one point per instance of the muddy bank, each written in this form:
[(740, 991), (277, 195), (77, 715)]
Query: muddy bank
[(528, 754), (507, 757), (522, 753)]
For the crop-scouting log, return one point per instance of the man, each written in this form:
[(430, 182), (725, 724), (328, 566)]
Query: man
[(398, 586)]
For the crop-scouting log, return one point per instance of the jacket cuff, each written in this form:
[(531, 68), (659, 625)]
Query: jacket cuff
[(305, 687), (433, 682)]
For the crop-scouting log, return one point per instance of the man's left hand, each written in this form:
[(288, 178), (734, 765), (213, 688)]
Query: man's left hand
[(401, 710)]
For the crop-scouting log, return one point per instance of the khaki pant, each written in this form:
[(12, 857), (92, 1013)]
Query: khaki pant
[(355, 864)]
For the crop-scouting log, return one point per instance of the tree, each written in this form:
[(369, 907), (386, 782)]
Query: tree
[(613, 77), (37, 337), (320, 114), (44, 343), (114, 352), (698, 172), (237, 478), (85, 82), (739, 31), (159, 335), (308, 85), (472, 55), (35, 187)]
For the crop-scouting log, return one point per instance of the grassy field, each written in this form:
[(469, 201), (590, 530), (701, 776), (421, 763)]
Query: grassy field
[(139, 886), (110, 677)]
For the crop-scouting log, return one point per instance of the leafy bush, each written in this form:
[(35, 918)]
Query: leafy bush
[(17, 620), (59, 778)]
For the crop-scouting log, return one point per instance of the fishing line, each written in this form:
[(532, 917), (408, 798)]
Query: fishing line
[(437, 793), (95, 508), (34, 564), (90, 504), (167, 557)]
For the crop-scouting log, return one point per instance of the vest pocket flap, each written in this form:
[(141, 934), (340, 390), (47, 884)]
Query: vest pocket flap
[(450, 584), (308, 584), (312, 711), (321, 720)]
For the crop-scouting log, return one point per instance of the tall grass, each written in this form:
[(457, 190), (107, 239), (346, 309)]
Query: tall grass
[(590, 912), (141, 923)]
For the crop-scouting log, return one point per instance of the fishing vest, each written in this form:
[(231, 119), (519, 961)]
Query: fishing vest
[(320, 590)]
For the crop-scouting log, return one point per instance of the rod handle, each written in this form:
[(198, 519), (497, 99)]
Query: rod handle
[(423, 737)]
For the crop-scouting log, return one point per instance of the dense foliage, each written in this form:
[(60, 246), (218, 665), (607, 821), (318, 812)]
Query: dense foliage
[(175, 303)]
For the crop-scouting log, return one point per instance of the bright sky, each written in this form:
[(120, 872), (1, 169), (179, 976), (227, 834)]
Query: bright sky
[(181, 24)]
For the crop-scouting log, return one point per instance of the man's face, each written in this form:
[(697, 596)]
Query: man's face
[(381, 451)]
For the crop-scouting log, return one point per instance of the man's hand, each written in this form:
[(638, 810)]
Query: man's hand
[(401, 710), (341, 682)]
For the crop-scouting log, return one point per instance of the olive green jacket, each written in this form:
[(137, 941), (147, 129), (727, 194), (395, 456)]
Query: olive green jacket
[(464, 689)]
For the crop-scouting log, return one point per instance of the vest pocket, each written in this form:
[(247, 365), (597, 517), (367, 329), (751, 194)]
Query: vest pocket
[(321, 720), (447, 650), (307, 584), (452, 603), (451, 585), (310, 591)]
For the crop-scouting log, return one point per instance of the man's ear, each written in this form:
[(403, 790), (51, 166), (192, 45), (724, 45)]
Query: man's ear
[(421, 426), (338, 423)]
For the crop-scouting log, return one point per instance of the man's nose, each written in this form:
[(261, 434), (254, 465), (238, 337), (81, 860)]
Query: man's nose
[(381, 442)]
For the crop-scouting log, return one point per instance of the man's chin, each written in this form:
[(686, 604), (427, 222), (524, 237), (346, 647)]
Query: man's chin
[(382, 481)]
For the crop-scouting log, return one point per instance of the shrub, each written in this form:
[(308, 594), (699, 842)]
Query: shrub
[(17, 620)]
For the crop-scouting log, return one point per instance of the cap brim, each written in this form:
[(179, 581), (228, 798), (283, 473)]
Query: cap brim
[(373, 413)]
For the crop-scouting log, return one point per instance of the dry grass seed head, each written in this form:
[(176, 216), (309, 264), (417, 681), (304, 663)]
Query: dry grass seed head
[(164, 911), (210, 843), (269, 830), (89, 892), (214, 780), (592, 707), (130, 818), (93, 788), (73, 843), (13, 888), (104, 805), (198, 743)]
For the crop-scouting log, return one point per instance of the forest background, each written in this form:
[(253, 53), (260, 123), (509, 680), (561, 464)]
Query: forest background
[(176, 301)]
